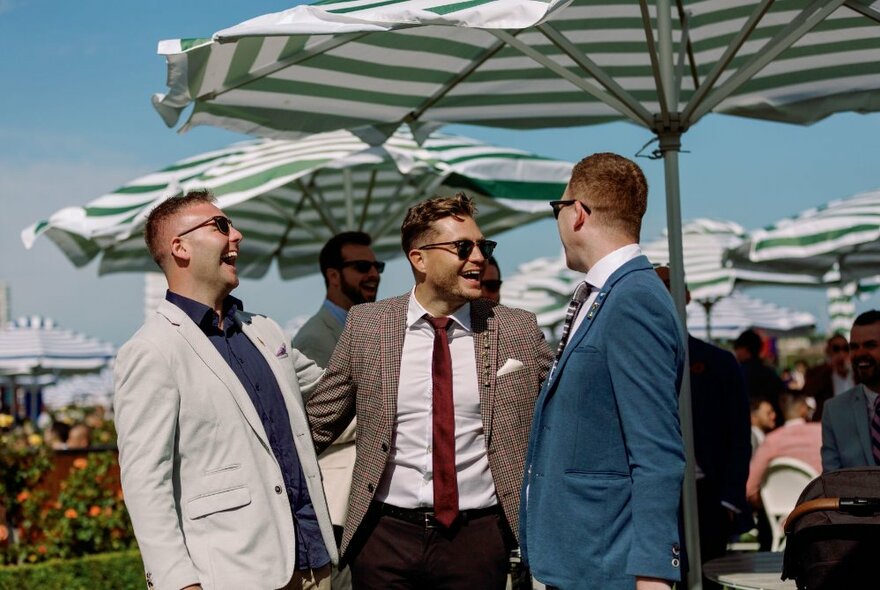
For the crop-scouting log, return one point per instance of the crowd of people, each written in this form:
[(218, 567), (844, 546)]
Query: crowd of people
[(419, 441)]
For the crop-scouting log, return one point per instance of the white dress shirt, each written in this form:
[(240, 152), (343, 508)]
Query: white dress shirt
[(840, 384), (407, 481)]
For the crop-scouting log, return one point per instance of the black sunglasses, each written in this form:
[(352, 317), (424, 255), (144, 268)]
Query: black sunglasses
[(221, 223), (463, 248), (839, 348), (364, 266), (558, 205), (491, 285)]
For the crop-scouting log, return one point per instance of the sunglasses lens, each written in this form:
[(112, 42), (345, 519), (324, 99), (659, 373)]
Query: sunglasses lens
[(222, 224), (486, 248), (492, 285), (840, 348), (380, 266), (465, 247)]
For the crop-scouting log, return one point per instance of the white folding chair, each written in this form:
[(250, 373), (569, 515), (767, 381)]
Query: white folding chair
[(783, 482)]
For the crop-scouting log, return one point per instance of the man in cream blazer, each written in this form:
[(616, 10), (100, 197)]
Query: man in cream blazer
[(219, 473)]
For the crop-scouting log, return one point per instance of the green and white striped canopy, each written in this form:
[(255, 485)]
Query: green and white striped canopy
[(837, 243), (289, 197), (704, 243), (526, 64)]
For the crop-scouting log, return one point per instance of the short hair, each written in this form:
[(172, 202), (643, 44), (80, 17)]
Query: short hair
[(615, 190), (867, 318), (167, 209), (492, 262), (833, 337), (751, 341), (789, 402), (420, 217), (331, 254)]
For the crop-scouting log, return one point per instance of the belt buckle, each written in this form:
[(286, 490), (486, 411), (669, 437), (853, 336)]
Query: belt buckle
[(430, 522)]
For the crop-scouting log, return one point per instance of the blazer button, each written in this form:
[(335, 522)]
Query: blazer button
[(277, 489), (675, 562), (676, 550), (384, 447), (370, 488)]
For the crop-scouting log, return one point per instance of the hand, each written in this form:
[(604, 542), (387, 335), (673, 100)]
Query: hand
[(643, 583), (4, 532)]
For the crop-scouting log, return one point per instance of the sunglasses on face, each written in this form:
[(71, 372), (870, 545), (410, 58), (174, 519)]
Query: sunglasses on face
[(364, 266), (223, 224), (839, 348), (557, 206), (463, 248), (491, 285)]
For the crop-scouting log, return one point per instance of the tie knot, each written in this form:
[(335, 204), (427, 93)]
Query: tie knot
[(440, 324), (581, 292)]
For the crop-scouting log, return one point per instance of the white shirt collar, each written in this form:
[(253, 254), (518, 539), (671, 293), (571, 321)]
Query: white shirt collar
[(794, 421), (600, 272), (415, 312)]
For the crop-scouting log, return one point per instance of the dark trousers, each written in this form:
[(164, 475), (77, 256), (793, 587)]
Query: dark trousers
[(399, 555)]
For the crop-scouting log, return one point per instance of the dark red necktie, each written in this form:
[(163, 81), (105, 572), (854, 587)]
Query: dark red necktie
[(443, 444)]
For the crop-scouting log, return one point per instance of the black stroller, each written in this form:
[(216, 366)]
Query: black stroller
[(833, 534)]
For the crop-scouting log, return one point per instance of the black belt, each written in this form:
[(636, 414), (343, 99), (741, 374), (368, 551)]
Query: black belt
[(424, 517)]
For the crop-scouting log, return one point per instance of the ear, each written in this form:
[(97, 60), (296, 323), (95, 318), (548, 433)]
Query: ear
[(179, 249), (581, 217), (417, 260)]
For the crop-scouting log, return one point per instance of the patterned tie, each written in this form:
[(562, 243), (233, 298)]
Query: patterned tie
[(581, 293), (875, 432), (443, 444)]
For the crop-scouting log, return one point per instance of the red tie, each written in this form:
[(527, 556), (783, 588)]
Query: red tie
[(445, 482)]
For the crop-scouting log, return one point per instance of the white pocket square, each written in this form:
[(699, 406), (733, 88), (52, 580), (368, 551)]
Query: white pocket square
[(509, 366)]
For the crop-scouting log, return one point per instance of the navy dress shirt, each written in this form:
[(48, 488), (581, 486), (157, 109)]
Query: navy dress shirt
[(255, 374)]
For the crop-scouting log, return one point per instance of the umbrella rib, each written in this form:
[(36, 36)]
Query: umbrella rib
[(562, 72), (729, 53), (318, 203), (682, 56), (683, 17), (655, 65), (871, 13), (296, 58), (348, 192), (593, 69), (448, 86), (817, 12), (291, 219), (367, 200), (382, 217)]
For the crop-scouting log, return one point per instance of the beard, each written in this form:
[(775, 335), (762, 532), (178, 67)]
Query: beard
[(869, 375), (354, 293)]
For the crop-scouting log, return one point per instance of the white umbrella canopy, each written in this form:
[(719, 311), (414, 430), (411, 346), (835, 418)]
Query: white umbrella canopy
[(36, 345), (80, 390), (289, 197), (739, 312), (837, 243)]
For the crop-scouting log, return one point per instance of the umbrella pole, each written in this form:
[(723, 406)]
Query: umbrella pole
[(669, 130)]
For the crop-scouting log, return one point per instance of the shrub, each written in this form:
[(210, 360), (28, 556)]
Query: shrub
[(122, 571)]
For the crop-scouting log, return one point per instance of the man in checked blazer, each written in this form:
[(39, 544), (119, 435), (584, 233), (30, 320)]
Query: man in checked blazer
[(219, 473), (381, 372)]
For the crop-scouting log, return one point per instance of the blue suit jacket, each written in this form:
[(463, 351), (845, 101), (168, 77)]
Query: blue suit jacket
[(605, 464), (846, 432)]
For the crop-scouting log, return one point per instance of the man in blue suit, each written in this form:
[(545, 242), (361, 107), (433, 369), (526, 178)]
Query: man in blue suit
[(600, 497)]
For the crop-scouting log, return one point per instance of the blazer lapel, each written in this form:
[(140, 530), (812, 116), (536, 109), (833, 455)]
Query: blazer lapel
[(331, 322), (212, 359), (485, 335), (860, 417), (392, 333)]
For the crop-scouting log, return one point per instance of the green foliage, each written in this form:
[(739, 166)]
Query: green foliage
[(121, 571), (88, 516)]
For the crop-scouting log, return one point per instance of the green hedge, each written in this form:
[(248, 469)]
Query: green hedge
[(121, 571)]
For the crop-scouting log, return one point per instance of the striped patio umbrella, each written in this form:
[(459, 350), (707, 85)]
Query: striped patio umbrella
[(837, 243), (289, 197), (739, 312), (80, 390), (530, 64), (36, 345)]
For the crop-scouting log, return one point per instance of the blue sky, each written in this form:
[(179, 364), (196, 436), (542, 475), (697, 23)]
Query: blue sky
[(76, 122)]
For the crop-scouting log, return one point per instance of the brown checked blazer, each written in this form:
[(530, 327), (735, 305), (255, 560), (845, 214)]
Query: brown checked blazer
[(362, 380)]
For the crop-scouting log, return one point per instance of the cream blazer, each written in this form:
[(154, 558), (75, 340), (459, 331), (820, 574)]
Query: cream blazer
[(202, 486)]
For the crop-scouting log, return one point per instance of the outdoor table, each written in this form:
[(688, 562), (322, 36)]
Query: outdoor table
[(749, 571)]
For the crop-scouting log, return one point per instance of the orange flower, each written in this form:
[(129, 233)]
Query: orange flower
[(80, 463), (108, 511), (95, 511), (23, 495), (70, 513), (41, 549)]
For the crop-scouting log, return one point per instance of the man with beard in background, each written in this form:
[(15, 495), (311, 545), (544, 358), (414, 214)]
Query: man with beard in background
[(351, 276), (850, 422)]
